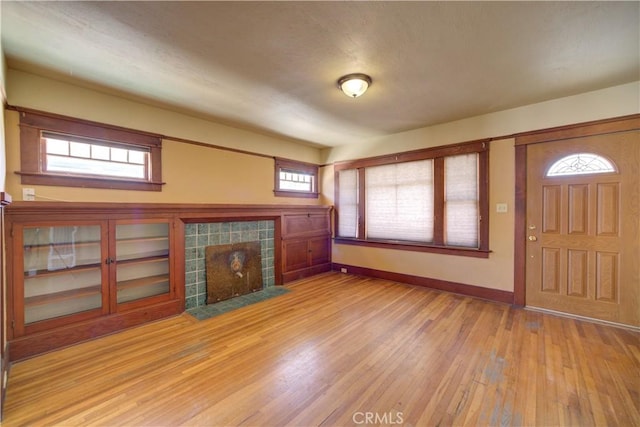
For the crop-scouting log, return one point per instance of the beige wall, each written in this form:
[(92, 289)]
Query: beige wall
[(496, 272), (197, 174), (193, 174)]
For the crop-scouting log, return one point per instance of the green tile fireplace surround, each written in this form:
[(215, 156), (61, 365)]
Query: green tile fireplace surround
[(200, 235)]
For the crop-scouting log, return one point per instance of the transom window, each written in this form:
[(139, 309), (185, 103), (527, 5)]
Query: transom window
[(581, 164), (433, 200), (295, 179), (63, 151), (66, 154)]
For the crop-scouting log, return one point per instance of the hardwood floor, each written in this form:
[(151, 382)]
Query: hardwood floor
[(341, 350)]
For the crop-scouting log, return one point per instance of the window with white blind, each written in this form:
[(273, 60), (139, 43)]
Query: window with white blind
[(432, 200), (461, 200), (399, 201), (348, 201)]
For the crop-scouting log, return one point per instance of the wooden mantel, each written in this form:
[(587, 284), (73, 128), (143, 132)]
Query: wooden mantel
[(192, 212)]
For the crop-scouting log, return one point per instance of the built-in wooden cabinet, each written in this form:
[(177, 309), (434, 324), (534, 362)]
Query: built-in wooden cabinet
[(306, 244), (74, 279), (69, 271)]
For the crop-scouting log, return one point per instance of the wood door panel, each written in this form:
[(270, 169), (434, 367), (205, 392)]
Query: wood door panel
[(301, 225), (551, 209), (608, 214), (578, 209), (295, 255), (320, 250), (583, 245), (551, 270), (607, 276), (578, 274)]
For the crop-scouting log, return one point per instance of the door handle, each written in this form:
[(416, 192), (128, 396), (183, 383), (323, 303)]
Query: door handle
[(533, 239)]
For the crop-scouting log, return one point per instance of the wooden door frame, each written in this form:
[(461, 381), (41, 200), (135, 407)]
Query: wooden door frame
[(598, 127)]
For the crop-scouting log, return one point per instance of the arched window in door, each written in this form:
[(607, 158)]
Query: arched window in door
[(581, 164)]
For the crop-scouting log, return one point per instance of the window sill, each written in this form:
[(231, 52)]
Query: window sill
[(415, 247), (301, 194), (34, 178)]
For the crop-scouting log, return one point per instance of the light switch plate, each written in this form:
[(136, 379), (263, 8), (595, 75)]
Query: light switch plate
[(501, 207)]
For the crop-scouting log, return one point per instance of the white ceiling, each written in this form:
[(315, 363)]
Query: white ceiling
[(273, 66)]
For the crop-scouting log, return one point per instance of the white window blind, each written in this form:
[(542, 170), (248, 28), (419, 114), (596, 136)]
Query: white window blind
[(461, 200), (399, 201), (348, 203)]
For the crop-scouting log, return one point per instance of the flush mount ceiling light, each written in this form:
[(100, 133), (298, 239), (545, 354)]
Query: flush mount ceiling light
[(354, 85)]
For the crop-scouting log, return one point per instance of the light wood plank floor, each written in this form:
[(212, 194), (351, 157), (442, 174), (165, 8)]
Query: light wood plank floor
[(341, 350)]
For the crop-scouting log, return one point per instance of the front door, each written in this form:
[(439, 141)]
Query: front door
[(583, 227)]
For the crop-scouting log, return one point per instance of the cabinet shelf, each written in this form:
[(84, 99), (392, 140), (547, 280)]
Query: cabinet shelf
[(62, 244), (143, 281), (77, 269), (62, 296), (143, 239), (144, 259)]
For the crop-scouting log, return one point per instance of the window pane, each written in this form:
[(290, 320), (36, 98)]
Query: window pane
[(137, 157), (348, 203), (580, 164), (399, 201), (57, 146), (79, 149), (99, 152), (119, 155), (296, 181), (461, 200), (94, 167), (84, 158)]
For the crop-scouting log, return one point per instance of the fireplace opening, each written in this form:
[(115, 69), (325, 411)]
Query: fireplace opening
[(233, 270)]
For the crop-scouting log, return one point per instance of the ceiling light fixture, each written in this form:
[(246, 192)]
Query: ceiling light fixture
[(354, 85)]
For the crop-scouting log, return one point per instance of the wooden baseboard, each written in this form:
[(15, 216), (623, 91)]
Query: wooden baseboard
[(442, 285), (305, 272)]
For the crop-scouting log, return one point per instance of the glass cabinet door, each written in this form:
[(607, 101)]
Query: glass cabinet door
[(142, 260), (62, 268)]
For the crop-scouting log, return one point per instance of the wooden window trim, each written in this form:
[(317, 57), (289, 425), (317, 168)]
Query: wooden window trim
[(437, 154), (307, 168), (32, 124)]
